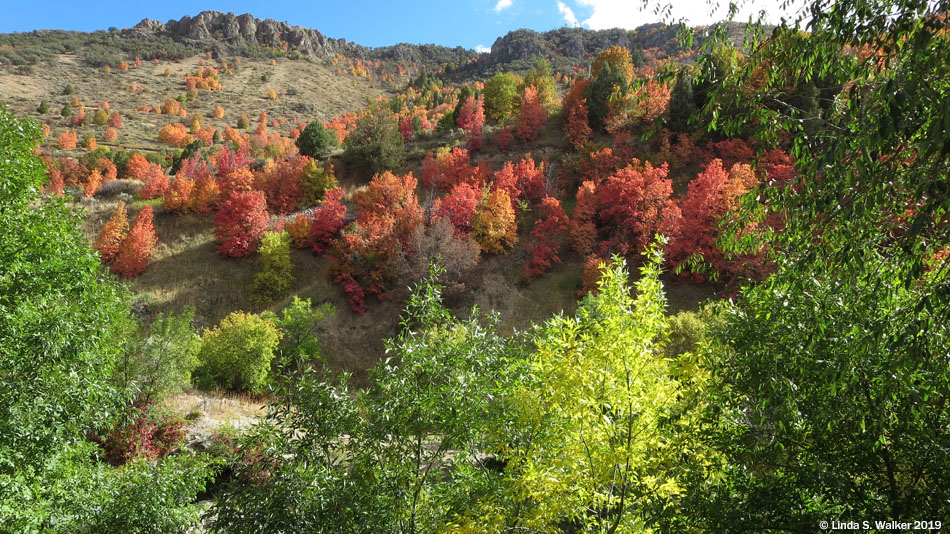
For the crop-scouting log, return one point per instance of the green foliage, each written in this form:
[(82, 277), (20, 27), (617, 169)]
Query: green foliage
[(69, 89), (607, 432), (43, 108), (315, 140), (275, 277), (236, 355), (541, 78), (682, 105), (142, 498), (379, 461), (298, 321), (609, 85), (188, 152), (832, 386), (376, 144), (243, 123), (159, 357), (316, 180), (67, 111), (502, 97), (58, 337), (447, 123)]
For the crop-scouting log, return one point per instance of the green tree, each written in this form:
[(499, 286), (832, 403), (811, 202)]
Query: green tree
[(275, 276), (831, 377), (43, 108), (377, 461), (315, 140), (609, 86), (237, 354), (59, 336), (159, 357), (502, 97), (316, 180), (682, 105), (541, 78), (608, 429), (376, 143)]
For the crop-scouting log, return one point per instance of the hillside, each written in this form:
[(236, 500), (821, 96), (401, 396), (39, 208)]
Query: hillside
[(257, 279)]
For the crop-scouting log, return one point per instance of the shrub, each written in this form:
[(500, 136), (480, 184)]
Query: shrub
[(316, 180), (315, 140), (547, 237), (112, 234), (110, 135), (501, 97), (494, 226), (243, 123), (328, 220), (137, 167), (240, 223), (236, 355), (100, 118), (298, 228), (144, 435), (376, 143), (532, 117), (218, 112), (159, 357), (458, 207), (43, 108), (137, 247), (275, 277), (67, 140)]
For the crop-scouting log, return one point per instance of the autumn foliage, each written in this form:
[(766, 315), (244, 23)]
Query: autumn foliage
[(494, 226), (112, 234), (459, 207), (446, 168), (546, 238), (328, 220), (532, 117), (635, 202), (67, 140), (137, 247), (240, 223)]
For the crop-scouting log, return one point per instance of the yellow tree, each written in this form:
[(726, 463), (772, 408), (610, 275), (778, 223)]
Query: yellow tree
[(606, 418)]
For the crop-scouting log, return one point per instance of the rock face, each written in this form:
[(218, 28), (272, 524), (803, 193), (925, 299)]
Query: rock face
[(227, 32)]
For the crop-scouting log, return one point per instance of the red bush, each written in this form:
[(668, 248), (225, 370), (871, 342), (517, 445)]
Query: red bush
[(532, 117), (240, 223), (143, 436), (636, 202), (459, 206), (156, 183), (327, 221), (112, 234), (504, 138), (280, 182), (137, 247), (137, 168), (178, 195), (388, 195), (547, 237), (445, 169)]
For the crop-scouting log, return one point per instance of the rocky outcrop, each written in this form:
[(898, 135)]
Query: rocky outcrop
[(227, 32)]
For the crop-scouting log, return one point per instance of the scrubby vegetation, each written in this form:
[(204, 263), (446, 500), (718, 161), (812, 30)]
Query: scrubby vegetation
[(811, 386)]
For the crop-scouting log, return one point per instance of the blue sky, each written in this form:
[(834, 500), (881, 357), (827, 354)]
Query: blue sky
[(471, 24)]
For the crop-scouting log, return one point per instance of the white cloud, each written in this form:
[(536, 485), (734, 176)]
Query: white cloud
[(629, 14), (501, 5), (482, 49), (568, 13)]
